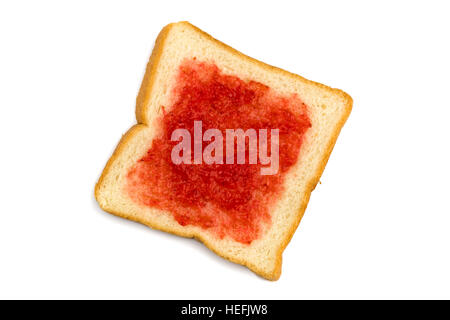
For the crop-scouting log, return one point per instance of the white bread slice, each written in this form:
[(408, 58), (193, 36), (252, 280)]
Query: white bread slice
[(328, 108)]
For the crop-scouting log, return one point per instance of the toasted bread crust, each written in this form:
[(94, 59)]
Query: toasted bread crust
[(141, 109)]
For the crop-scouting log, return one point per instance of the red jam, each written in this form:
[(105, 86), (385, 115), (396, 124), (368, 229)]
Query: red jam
[(230, 200)]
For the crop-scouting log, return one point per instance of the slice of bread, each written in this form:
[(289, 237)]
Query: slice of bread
[(225, 232)]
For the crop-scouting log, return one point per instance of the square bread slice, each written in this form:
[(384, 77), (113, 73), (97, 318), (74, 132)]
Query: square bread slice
[(327, 109)]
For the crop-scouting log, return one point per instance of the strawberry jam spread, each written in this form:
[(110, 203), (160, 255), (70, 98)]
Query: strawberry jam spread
[(228, 200)]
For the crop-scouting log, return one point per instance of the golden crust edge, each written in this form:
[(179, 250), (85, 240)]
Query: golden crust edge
[(142, 101)]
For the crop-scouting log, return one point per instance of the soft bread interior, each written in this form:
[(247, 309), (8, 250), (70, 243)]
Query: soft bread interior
[(328, 110)]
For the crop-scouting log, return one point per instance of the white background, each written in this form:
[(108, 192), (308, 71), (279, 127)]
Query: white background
[(377, 227)]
